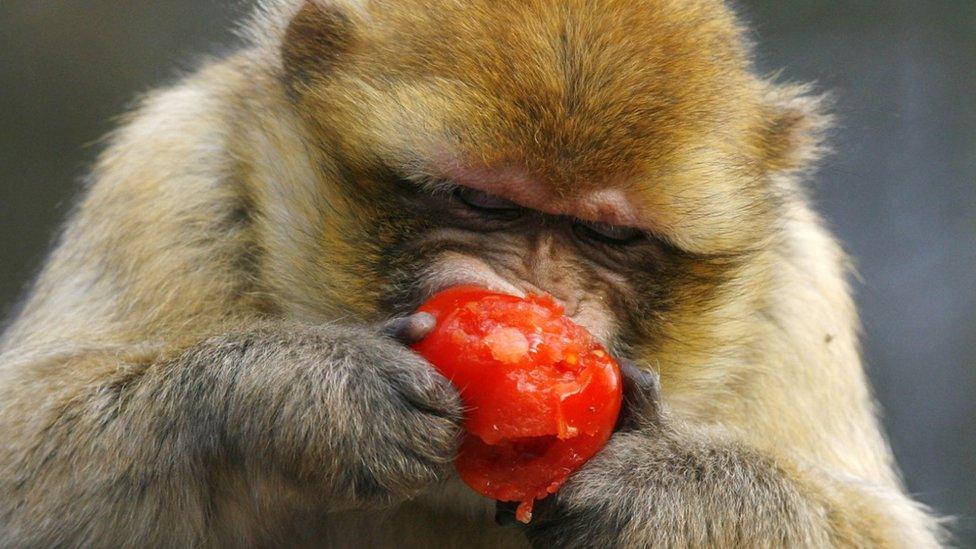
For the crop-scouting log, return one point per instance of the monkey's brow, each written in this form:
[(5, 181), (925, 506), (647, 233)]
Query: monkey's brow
[(435, 185), (514, 186)]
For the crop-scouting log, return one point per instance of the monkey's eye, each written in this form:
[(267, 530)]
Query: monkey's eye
[(614, 235), (486, 203)]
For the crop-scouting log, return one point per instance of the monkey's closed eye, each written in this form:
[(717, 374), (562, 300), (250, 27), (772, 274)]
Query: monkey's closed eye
[(614, 235), (487, 204)]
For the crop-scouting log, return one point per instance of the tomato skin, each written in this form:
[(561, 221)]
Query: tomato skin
[(542, 395)]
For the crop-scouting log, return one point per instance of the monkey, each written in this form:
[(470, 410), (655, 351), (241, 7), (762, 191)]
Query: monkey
[(216, 352)]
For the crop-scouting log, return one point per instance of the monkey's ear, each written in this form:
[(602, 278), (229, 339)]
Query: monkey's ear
[(315, 40), (795, 124)]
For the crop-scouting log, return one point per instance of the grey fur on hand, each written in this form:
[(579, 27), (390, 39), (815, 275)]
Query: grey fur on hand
[(404, 417), (350, 405)]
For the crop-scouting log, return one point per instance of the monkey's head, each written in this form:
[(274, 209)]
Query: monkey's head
[(621, 155)]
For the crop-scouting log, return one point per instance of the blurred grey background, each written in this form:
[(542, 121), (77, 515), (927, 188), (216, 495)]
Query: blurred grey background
[(900, 191)]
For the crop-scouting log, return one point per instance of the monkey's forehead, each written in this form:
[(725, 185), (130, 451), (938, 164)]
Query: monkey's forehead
[(573, 89), (621, 106)]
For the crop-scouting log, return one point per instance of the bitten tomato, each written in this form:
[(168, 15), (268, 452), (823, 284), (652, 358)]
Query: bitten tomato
[(542, 395)]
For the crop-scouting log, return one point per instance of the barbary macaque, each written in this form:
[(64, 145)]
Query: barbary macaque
[(216, 351)]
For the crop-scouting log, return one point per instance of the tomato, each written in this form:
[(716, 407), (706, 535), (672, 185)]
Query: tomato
[(542, 396)]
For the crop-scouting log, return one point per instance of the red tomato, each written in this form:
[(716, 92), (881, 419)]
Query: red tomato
[(542, 395)]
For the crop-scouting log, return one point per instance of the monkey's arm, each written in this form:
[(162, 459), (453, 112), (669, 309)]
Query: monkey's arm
[(663, 484), (213, 442)]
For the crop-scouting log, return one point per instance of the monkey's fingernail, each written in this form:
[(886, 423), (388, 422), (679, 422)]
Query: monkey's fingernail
[(505, 513), (410, 329), (641, 393), (638, 377), (419, 325)]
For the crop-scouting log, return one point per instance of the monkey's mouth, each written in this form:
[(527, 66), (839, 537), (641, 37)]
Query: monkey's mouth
[(464, 270)]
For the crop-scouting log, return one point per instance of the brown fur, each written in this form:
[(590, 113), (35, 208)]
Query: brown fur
[(273, 192)]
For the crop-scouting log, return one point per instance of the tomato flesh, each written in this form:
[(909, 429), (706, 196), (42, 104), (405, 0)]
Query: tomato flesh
[(542, 395)]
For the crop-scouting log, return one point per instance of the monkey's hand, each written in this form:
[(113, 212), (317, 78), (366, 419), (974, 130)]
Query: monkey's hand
[(377, 421), (294, 417), (404, 417), (655, 485)]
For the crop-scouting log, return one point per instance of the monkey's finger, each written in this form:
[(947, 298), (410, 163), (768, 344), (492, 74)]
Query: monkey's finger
[(409, 329), (505, 513), (642, 390)]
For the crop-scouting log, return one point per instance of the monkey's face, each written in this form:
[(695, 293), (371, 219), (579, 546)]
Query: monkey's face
[(615, 154), (467, 236)]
